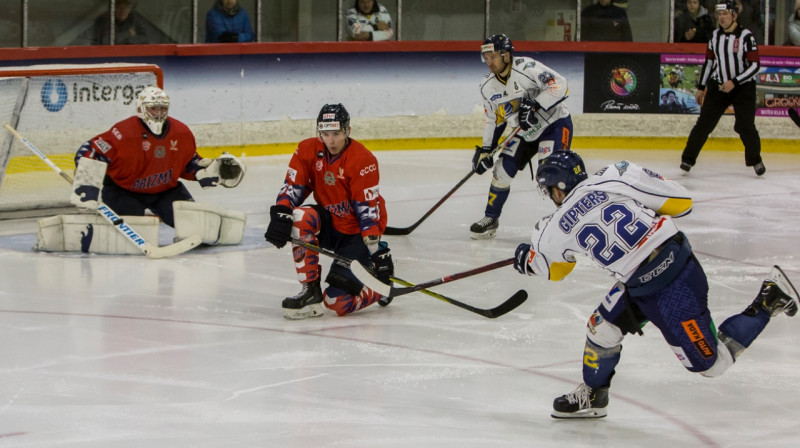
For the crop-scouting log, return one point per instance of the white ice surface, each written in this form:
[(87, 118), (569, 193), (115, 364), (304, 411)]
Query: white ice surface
[(124, 351)]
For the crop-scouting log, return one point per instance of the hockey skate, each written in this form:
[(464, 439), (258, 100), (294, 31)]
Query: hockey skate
[(777, 295), (307, 303), (583, 402), (484, 229)]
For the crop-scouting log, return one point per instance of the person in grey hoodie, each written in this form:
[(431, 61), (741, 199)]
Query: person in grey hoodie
[(693, 24)]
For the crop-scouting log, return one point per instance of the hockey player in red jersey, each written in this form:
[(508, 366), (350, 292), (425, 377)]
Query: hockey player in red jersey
[(144, 156), (349, 217)]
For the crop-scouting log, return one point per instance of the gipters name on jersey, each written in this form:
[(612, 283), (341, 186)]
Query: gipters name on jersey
[(126, 93), (580, 208)]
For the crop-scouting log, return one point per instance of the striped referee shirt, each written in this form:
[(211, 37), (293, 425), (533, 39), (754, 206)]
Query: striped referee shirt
[(730, 56)]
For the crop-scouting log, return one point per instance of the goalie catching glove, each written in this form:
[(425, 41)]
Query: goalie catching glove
[(225, 170), (482, 160)]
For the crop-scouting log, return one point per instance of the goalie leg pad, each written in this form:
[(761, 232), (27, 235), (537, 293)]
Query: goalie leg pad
[(92, 234), (215, 225)]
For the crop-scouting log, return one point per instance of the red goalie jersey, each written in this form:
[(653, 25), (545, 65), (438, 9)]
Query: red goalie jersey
[(141, 162), (346, 185)]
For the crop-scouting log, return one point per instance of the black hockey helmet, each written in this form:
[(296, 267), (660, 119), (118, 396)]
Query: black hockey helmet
[(499, 43), (727, 5), (333, 117), (562, 169)]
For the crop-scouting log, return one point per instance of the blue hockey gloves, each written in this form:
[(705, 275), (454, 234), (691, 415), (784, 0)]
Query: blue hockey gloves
[(527, 114), (521, 259), (482, 160), (382, 263), (280, 225)]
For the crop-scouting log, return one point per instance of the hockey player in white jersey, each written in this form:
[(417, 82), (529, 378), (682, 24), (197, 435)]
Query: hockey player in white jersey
[(622, 218), (523, 92)]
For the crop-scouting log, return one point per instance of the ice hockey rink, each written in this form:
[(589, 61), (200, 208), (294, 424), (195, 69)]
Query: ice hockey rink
[(124, 351)]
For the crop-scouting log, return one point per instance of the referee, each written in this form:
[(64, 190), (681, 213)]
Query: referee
[(728, 78)]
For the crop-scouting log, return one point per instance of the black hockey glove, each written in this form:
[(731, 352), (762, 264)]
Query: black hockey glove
[(482, 160), (527, 114), (521, 259), (227, 36), (280, 225), (382, 263)]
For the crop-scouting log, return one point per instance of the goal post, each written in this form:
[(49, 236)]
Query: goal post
[(58, 107)]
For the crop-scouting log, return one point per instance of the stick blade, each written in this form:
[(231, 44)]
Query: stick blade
[(172, 250), (398, 230), (365, 277), (513, 302)]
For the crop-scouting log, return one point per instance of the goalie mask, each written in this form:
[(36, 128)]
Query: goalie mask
[(152, 106), (563, 170), (333, 117)]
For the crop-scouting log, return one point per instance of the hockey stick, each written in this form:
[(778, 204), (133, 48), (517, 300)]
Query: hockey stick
[(509, 304), (365, 277), (115, 220), (794, 116), (409, 229)]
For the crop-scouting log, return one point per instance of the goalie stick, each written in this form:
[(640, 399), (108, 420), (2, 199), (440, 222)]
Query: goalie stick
[(509, 304), (406, 230), (111, 216)]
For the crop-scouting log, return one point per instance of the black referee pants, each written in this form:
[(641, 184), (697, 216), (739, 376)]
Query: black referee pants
[(743, 99)]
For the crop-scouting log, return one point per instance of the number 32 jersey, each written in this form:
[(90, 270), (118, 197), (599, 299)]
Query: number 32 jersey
[(616, 217)]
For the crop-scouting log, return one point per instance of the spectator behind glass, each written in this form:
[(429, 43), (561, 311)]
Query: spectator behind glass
[(605, 22), (369, 20), (693, 24), (794, 25), (226, 21), (130, 28), (750, 18)]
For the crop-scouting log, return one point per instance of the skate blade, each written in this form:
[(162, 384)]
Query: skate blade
[(585, 413), (786, 286), (483, 236), (314, 310)]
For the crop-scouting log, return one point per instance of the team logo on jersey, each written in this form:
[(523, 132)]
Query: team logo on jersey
[(173, 145), (547, 78), (116, 133), (341, 174), (495, 97), (319, 165), (160, 152), (291, 174), (621, 167), (594, 320), (102, 145), (146, 145), (371, 193), (329, 178)]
